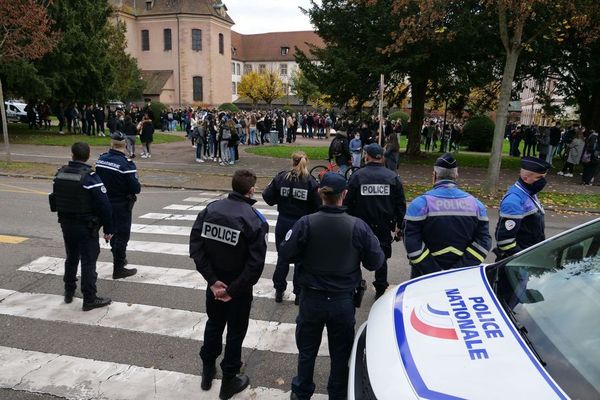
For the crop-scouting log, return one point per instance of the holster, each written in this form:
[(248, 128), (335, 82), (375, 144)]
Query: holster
[(52, 201), (359, 293)]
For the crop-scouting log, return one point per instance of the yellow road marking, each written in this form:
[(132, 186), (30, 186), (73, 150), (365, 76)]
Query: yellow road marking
[(24, 190), (12, 239)]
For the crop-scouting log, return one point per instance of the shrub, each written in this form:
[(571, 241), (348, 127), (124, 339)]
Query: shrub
[(399, 115), (157, 108), (287, 109), (229, 107), (478, 133)]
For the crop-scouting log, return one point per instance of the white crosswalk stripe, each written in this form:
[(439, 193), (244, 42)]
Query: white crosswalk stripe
[(175, 277), (205, 199), (262, 335), (171, 230), (186, 207), (80, 378), (183, 217)]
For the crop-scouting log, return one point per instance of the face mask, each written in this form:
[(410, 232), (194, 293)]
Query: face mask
[(537, 186)]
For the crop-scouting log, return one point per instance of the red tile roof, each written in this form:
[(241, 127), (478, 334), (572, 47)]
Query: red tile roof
[(267, 46)]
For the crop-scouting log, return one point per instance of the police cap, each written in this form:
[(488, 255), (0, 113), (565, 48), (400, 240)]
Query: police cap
[(374, 150), (118, 136), (534, 164), (334, 182), (446, 161)]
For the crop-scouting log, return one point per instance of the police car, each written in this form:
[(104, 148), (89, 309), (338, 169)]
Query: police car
[(527, 327)]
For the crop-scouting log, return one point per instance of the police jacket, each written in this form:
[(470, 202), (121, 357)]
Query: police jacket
[(521, 222), (445, 228), (294, 197), (375, 194), (229, 242), (119, 174), (328, 247), (79, 196)]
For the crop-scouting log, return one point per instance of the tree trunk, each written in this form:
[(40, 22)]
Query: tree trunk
[(490, 186), (590, 110), (4, 124), (417, 114)]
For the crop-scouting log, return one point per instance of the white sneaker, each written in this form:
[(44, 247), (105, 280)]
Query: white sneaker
[(61, 133), (144, 156), (222, 163), (149, 155), (231, 163), (199, 160), (569, 175), (215, 159), (560, 173), (194, 146)]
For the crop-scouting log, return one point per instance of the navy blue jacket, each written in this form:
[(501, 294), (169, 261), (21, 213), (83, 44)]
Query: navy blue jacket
[(294, 198), (228, 243), (521, 223), (363, 239), (446, 228), (119, 174)]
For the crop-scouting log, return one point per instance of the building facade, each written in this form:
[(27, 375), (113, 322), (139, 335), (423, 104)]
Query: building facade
[(533, 108)]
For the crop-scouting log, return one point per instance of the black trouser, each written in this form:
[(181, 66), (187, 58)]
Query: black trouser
[(589, 170), (235, 315), (282, 268), (381, 274), (335, 311), (568, 167), (528, 149), (122, 224), (81, 243), (100, 127)]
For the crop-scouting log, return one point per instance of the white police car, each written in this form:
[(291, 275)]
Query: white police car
[(524, 328)]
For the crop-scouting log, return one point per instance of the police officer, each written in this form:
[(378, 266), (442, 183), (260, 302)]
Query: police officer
[(376, 195), (521, 222), (328, 246), (295, 193), (446, 227), (228, 244), (80, 199), (120, 176)]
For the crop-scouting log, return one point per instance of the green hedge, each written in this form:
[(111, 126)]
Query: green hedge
[(478, 133), (399, 115), (157, 108), (229, 107)]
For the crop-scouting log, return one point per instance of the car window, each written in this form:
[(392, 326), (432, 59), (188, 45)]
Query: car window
[(554, 292)]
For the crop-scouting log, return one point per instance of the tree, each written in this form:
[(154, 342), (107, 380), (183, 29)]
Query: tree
[(304, 88), (249, 87), (25, 34), (127, 84), (271, 87)]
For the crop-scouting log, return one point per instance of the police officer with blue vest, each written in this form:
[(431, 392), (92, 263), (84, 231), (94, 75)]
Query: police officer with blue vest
[(328, 248), (376, 195), (120, 176), (79, 197), (521, 222), (228, 244), (446, 227), (295, 193)]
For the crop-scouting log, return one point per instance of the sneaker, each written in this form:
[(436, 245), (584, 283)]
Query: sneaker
[(222, 163), (278, 296), (232, 163), (232, 386), (149, 155), (144, 156), (96, 303), (215, 159), (199, 160), (194, 146), (569, 175), (560, 173), (69, 297), (132, 156), (61, 133), (123, 273)]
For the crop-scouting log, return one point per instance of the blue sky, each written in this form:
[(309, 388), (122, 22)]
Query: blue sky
[(258, 16)]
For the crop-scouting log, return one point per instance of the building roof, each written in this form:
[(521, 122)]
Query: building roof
[(268, 46), (139, 8), (155, 81)]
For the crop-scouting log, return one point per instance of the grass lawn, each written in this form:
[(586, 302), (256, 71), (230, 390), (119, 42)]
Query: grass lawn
[(21, 134), (478, 160)]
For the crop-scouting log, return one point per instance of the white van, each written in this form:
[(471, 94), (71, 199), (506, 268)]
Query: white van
[(15, 111)]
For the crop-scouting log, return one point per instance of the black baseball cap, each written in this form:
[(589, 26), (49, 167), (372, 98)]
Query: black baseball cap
[(374, 150), (334, 182), (118, 136)]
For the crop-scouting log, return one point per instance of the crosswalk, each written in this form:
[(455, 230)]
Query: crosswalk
[(161, 240)]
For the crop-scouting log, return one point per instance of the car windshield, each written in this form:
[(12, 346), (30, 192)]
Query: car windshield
[(553, 293)]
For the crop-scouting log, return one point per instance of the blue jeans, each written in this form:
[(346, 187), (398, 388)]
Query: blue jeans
[(232, 154), (318, 310), (284, 224), (253, 138)]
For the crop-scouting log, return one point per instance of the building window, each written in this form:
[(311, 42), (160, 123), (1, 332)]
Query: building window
[(196, 39), (232, 68), (198, 95), (233, 88), (149, 4), (286, 89), (247, 68), (262, 68), (285, 50), (168, 39), (283, 69), (221, 44), (145, 40), (238, 69)]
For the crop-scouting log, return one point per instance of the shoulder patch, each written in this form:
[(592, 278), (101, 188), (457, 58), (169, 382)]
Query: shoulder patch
[(103, 189), (509, 224)]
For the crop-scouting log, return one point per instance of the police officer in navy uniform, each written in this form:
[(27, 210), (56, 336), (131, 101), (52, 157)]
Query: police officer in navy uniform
[(328, 248), (521, 222), (79, 197), (120, 176), (376, 195), (295, 193), (228, 244), (445, 227)]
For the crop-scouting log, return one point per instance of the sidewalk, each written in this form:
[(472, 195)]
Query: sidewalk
[(173, 165)]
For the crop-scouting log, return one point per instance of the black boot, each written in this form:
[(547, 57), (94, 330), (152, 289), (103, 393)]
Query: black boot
[(379, 292), (208, 374), (123, 272), (96, 303), (69, 297), (231, 386), (278, 296)]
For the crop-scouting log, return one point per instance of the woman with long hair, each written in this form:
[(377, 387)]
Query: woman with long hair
[(392, 152), (296, 194)]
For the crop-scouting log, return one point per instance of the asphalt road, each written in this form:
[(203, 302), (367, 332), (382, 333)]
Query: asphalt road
[(43, 325)]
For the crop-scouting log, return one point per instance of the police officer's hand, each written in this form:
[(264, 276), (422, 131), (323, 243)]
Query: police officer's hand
[(398, 235), (108, 237), (218, 289)]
